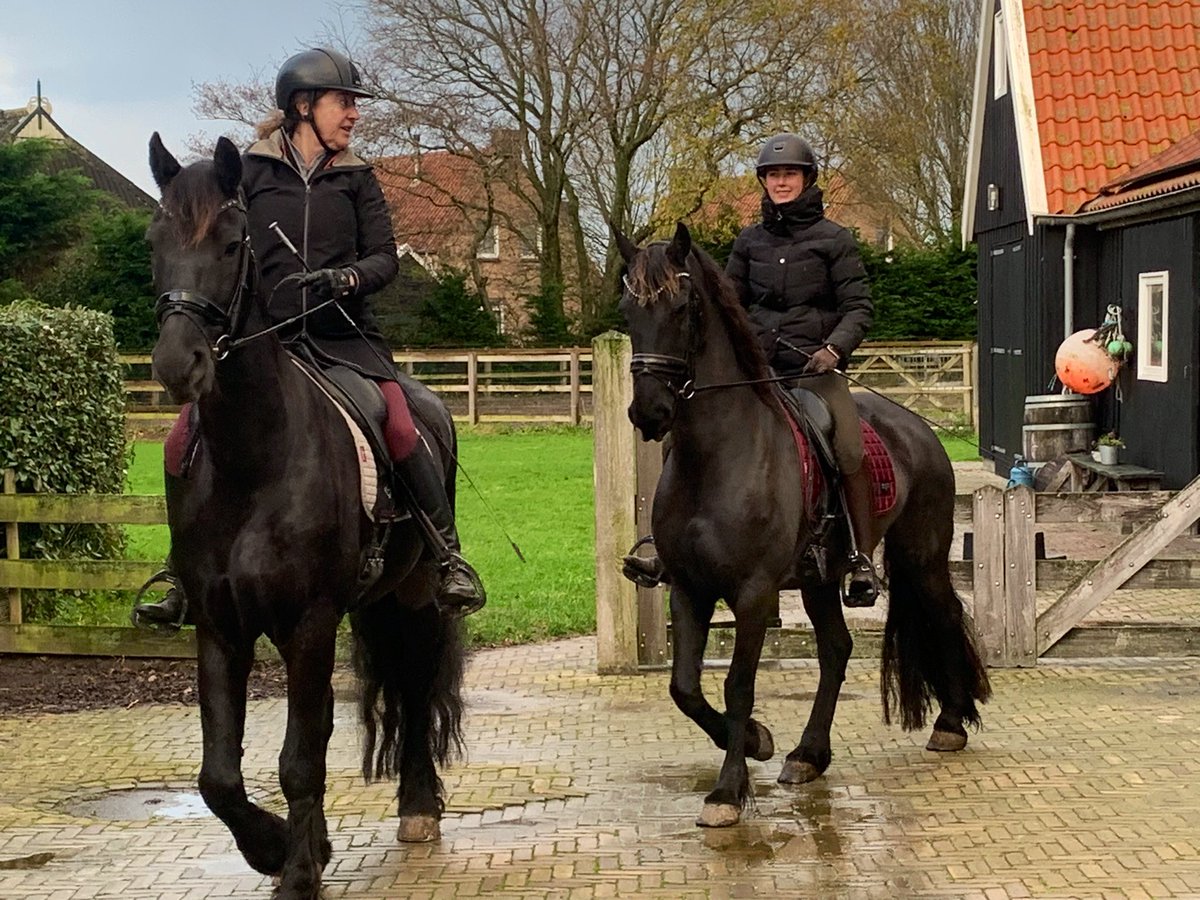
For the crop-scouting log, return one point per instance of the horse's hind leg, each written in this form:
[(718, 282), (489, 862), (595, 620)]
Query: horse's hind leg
[(309, 654), (812, 755), (929, 650), (223, 671), (420, 792)]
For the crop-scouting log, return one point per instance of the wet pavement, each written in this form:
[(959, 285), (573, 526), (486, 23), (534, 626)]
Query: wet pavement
[(1084, 782)]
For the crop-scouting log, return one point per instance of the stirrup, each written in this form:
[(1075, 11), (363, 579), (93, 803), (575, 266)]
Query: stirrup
[(864, 585), (644, 571), (148, 615), (460, 605)]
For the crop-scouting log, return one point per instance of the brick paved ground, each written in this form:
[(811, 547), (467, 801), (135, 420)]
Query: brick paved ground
[(1084, 783)]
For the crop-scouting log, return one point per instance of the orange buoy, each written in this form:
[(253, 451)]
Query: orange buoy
[(1083, 364)]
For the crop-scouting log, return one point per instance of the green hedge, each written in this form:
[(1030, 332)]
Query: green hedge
[(62, 428)]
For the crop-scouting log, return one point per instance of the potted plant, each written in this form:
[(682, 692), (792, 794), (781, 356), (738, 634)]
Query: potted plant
[(1109, 445)]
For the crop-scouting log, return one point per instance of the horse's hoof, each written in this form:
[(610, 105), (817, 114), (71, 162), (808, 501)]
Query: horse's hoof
[(766, 743), (797, 771), (418, 829), (946, 741), (718, 815)]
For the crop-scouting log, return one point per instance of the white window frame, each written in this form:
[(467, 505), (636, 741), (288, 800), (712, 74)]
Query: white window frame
[(999, 58), (1146, 369), (489, 244), (531, 250)]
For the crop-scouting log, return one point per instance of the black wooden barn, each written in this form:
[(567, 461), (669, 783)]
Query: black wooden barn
[(1083, 190)]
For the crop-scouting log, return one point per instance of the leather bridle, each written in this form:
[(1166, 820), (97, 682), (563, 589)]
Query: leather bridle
[(199, 309)]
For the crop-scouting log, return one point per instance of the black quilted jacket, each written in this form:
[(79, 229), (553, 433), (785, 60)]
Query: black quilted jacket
[(802, 279)]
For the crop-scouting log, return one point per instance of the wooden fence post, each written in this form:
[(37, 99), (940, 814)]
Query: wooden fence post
[(473, 388), (1020, 578), (988, 526), (12, 546), (616, 522), (652, 611), (575, 404)]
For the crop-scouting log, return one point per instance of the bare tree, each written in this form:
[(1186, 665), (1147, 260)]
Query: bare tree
[(905, 141)]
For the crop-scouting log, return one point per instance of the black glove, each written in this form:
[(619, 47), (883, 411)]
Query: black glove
[(329, 284), (822, 361)]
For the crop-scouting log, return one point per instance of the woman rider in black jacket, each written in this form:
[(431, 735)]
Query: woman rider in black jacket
[(302, 177), (803, 283)]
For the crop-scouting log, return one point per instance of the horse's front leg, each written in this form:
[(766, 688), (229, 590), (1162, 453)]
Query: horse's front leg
[(309, 655), (223, 670), (723, 806), (812, 755)]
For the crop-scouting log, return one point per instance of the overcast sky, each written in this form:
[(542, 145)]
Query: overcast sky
[(117, 70)]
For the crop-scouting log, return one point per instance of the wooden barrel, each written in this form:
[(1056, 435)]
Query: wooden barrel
[(1056, 424)]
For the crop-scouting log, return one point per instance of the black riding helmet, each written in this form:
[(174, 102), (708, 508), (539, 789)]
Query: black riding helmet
[(320, 69), (786, 150)]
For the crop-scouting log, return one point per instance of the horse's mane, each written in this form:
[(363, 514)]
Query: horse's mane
[(653, 274), (192, 201)]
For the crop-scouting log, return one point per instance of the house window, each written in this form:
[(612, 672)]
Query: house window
[(531, 247), (1153, 307), (489, 247), (999, 58)]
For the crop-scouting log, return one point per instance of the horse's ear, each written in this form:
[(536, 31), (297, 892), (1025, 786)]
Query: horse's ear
[(228, 163), (627, 247), (163, 165), (680, 246)]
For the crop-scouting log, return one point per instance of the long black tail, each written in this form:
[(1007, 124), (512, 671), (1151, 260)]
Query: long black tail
[(929, 649), (410, 669)]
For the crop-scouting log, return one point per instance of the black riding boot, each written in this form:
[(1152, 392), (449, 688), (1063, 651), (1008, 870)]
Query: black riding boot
[(644, 571), (864, 584), (169, 613), (460, 591)]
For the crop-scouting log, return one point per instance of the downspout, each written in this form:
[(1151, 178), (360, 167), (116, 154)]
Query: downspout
[(1069, 282)]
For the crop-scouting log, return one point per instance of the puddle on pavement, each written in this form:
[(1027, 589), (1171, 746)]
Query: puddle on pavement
[(489, 700), (811, 696), (33, 861), (141, 804)]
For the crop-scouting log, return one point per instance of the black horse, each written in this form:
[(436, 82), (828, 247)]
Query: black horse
[(730, 522), (267, 531)]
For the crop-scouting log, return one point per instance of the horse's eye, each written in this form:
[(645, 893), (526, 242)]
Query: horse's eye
[(231, 247)]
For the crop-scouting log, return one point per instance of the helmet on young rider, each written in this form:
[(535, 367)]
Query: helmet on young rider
[(786, 150)]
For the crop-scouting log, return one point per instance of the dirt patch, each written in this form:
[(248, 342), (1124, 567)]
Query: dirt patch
[(55, 684)]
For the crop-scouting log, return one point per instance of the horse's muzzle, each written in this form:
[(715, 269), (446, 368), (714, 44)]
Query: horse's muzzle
[(182, 360)]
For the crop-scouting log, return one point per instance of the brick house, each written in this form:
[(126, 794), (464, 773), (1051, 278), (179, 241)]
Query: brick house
[(450, 213)]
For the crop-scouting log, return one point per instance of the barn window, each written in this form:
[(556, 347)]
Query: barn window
[(489, 246), (1153, 322), (999, 58)]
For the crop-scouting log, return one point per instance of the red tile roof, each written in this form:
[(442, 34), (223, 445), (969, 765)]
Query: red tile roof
[(1176, 168), (422, 192), (1114, 81)]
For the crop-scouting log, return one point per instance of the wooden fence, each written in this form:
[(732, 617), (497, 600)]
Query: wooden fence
[(17, 574), (1128, 540), (936, 378), (478, 386)]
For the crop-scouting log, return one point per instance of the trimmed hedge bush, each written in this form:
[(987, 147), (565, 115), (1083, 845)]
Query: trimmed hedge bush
[(62, 428)]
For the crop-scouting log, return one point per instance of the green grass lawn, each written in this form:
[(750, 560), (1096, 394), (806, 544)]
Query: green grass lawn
[(538, 482), (539, 485)]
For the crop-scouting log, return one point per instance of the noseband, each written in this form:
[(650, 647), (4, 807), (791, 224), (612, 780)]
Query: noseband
[(200, 310), (667, 368)]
